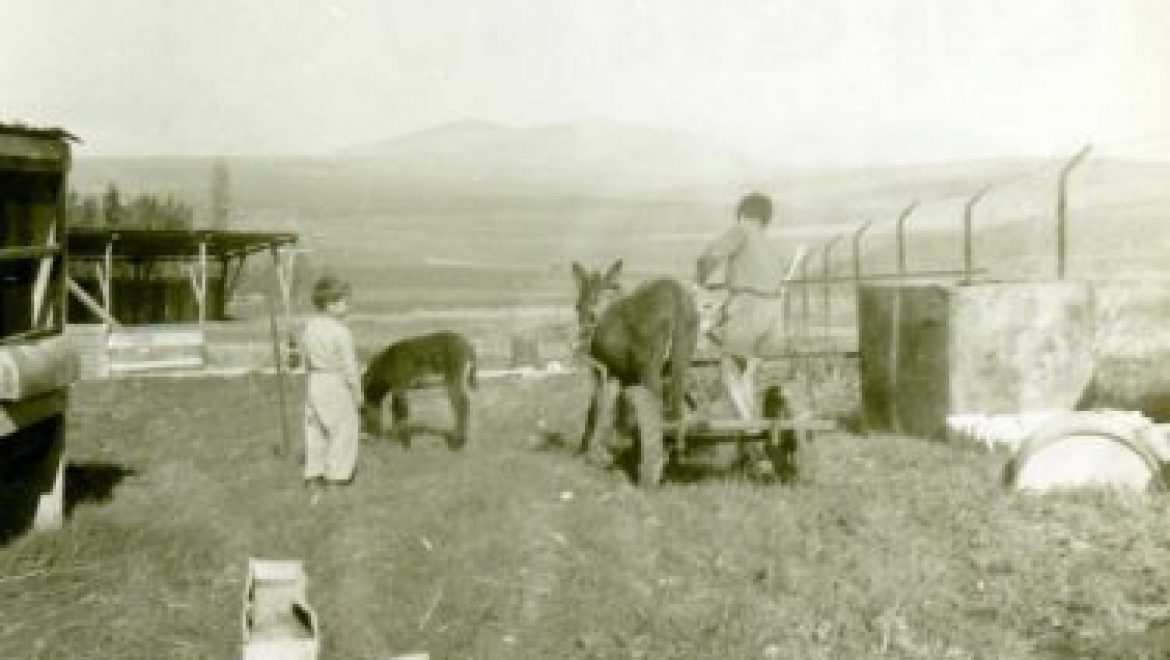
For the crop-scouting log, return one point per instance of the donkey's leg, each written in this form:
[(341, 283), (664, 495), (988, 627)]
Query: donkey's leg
[(401, 410), (591, 416), (603, 423), (460, 398), (753, 453)]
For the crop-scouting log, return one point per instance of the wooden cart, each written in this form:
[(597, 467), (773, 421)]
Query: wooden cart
[(779, 434), (37, 364)]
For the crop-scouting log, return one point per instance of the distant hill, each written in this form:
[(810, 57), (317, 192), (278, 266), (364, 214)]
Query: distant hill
[(593, 159), (469, 161)]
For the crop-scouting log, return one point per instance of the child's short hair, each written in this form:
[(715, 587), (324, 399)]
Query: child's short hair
[(755, 205), (329, 289)]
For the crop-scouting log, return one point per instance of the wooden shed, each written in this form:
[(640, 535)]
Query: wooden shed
[(156, 290), (37, 364), (149, 276)]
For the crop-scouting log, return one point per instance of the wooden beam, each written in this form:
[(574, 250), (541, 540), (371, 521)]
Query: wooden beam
[(41, 283), (233, 280), (30, 252), (90, 304), (711, 429)]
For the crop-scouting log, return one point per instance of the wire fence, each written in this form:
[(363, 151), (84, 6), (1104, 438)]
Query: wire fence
[(1015, 227)]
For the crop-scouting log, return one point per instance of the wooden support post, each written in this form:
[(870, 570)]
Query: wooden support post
[(1062, 211), (109, 282), (90, 303), (50, 512), (221, 288), (233, 279), (99, 276), (901, 235), (202, 297), (41, 283), (284, 263), (285, 442)]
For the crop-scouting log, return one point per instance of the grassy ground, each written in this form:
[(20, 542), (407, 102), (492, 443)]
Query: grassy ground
[(891, 547)]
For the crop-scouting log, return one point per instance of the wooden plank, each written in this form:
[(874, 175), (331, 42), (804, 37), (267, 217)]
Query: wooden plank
[(29, 252), (28, 335), (732, 427), (156, 336), (90, 303), (41, 283), (15, 415), (44, 152), (122, 364), (791, 355), (156, 347)]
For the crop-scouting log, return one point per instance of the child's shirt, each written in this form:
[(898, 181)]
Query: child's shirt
[(327, 345), (750, 262)]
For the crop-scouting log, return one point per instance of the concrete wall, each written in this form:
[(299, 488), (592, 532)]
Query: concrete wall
[(930, 350)]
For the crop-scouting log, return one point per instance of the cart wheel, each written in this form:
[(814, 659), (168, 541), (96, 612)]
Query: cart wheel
[(783, 446), (648, 418)]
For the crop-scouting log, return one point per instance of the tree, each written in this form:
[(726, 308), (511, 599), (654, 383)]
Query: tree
[(112, 210)]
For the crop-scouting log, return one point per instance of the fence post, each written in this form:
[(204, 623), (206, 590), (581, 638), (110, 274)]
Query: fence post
[(827, 286), (857, 252), (1062, 211), (968, 221), (901, 236), (804, 301)]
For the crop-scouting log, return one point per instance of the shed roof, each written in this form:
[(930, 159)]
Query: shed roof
[(27, 149), (171, 244)]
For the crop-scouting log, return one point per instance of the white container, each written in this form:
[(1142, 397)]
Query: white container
[(278, 622)]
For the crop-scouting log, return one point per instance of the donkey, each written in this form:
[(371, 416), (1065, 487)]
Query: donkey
[(632, 340), (408, 364)]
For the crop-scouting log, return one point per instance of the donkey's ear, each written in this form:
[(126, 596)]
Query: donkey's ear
[(578, 272), (611, 275)]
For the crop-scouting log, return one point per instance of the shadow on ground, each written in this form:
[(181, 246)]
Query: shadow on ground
[(21, 486), (93, 482)]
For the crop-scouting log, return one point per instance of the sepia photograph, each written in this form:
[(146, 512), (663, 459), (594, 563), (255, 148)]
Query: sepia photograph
[(609, 329)]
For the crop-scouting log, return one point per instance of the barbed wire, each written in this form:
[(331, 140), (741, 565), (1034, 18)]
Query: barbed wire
[(1047, 172)]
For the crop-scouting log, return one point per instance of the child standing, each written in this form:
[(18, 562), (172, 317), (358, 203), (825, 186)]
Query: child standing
[(334, 389), (752, 313)]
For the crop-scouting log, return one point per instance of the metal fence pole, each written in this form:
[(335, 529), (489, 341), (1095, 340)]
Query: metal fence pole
[(857, 234), (901, 235), (804, 301), (826, 285), (968, 221), (857, 252), (1062, 211)]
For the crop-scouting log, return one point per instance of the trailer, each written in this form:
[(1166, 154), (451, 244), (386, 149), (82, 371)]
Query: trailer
[(37, 364)]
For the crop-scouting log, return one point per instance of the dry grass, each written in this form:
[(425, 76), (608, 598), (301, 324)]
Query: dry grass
[(893, 547)]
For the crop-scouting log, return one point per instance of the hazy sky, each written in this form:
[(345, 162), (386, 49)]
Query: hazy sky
[(791, 80)]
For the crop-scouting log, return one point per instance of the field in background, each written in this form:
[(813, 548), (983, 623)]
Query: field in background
[(892, 547)]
